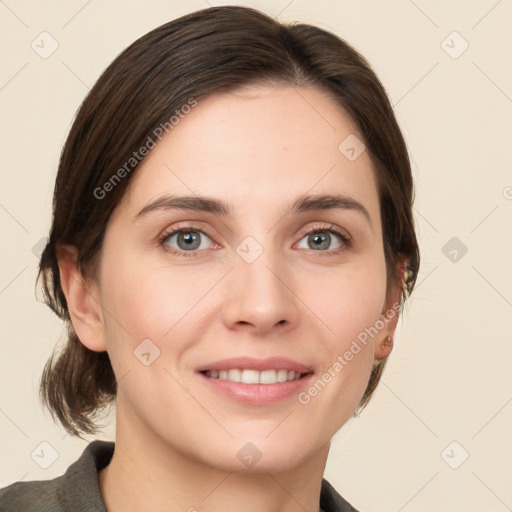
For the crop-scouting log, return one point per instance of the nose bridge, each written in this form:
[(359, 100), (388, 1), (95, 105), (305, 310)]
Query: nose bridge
[(259, 293)]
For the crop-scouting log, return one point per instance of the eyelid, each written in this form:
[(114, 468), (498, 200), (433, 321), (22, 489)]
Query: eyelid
[(323, 226), (346, 239), (186, 226)]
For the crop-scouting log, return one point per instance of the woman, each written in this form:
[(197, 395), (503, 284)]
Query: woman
[(231, 246)]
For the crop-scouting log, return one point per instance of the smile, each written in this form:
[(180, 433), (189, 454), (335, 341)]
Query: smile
[(247, 376)]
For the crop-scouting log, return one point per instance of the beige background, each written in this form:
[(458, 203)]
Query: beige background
[(449, 376)]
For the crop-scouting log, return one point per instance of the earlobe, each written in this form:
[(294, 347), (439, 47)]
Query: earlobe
[(389, 316), (82, 300), (384, 341), (383, 348)]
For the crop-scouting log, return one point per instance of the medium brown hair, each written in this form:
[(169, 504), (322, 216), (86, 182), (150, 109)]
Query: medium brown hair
[(210, 51)]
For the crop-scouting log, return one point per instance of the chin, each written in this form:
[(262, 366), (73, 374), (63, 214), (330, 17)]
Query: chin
[(258, 454)]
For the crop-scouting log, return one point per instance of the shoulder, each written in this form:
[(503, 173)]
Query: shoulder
[(31, 496), (76, 490), (332, 501)]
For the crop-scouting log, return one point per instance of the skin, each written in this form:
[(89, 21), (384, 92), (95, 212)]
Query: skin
[(176, 439)]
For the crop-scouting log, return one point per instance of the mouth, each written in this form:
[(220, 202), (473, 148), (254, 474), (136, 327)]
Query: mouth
[(254, 381), (248, 376)]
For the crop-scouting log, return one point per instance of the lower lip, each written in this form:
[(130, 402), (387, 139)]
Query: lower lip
[(258, 394)]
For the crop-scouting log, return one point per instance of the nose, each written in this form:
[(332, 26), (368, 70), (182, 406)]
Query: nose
[(260, 296)]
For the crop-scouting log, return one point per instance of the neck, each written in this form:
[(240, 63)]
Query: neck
[(146, 473)]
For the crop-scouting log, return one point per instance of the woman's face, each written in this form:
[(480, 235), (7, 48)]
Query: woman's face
[(262, 277)]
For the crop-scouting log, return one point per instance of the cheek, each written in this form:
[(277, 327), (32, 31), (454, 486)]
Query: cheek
[(349, 300), (171, 309), (350, 305), (149, 300), (147, 308)]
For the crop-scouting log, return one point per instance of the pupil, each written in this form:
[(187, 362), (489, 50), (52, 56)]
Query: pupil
[(190, 239), (320, 241)]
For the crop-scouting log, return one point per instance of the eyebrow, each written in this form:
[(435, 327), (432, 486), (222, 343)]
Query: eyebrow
[(304, 203)]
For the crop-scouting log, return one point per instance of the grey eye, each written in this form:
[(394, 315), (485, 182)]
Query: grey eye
[(188, 240), (320, 240)]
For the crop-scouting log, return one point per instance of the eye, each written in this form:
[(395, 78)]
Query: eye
[(321, 239), (189, 240), (185, 239)]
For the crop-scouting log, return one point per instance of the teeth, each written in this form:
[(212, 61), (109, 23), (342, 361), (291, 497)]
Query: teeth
[(268, 377), (282, 376), (250, 376), (235, 375), (254, 376)]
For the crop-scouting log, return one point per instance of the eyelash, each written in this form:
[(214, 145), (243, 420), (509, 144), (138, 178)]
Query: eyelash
[(329, 228)]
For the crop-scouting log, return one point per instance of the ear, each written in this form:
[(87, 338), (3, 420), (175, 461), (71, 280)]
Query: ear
[(82, 299), (383, 342)]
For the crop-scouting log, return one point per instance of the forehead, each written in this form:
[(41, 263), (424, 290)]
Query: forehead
[(261, 146)]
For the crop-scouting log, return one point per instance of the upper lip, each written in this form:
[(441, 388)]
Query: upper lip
[(250, 363)]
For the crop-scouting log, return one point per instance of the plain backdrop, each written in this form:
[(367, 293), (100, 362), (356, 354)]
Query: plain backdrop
[(436, 436)]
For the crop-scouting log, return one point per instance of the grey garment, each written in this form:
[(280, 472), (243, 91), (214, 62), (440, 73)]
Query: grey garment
[(77, 490)]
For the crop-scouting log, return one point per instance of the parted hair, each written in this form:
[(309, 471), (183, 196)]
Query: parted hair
[(214, 50)]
